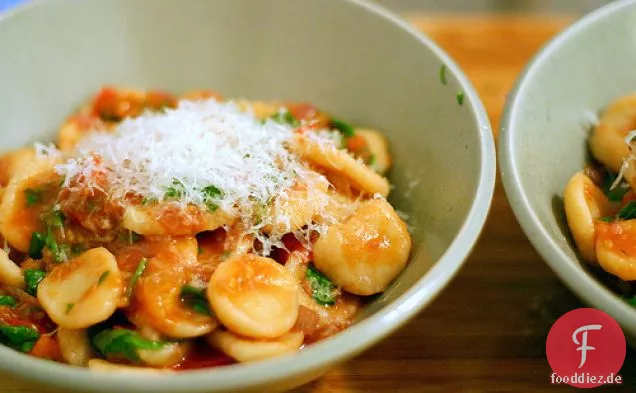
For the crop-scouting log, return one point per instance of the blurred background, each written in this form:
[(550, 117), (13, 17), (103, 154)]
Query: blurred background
[(491, 6), (476, 6)]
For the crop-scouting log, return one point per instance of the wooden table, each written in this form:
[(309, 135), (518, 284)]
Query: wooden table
[(486, 332)]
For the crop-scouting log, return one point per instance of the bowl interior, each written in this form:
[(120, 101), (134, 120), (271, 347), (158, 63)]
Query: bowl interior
[(344, 56), (545, 131)]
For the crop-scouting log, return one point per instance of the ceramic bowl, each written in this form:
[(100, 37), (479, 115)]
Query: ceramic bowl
[(544, 132), (351, 58)]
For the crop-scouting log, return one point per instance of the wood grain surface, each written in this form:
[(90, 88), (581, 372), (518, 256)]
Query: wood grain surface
[(486, 332)]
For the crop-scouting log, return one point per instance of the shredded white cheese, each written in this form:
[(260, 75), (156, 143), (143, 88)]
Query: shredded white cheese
[(197, 145)]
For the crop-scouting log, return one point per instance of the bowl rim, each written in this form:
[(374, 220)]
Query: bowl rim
[(583, 283), (329, 352)]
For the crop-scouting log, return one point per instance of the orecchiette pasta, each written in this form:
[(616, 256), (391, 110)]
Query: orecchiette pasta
[(11, 162), (378, 149), (10, 274), (600, 201), (254, 296), (338, 161), (168, 233), (158, 293), (248, 350), (104, 366), (615, 249), (82, 291), (608, 138), (367, 251), (75, 346), (19, 218), (584, 204), (173, 220)]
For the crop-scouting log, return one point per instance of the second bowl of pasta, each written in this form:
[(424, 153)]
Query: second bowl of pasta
[(566, 148)]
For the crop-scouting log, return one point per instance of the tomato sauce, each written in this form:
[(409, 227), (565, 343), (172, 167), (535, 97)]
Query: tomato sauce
[(203, 357), (619, 236)]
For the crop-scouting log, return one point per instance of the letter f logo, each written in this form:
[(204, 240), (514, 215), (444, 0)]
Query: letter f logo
[(583, 344)]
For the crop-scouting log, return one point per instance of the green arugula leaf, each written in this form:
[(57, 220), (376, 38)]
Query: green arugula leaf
[(613, 194), (33, 278), (630, 300), (210, 197), (285, 117), (628, 211), (59, 252), (6, 300), (195, 299), (148, 200), (176, 191), (442, 75), (123, 342), (54, 219), (373, 162), (103, 277), (21, 338), (33, 197), (460, 98), (36, 245), (346, 129), (135, 277), (130, 237), (324, 291)]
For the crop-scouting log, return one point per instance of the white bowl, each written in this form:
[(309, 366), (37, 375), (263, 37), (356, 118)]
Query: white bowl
[(351, 58)]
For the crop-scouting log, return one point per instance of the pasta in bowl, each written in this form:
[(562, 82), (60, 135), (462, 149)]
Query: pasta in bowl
[(184, 232), (600, 202)]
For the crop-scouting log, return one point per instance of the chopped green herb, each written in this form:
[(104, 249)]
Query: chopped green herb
[(613, 194), (124, 343), (195, 299), (210, 197), (226, 254), (138, 272), (346, 129), (130, 237), (33, 197), (607, 219), (442, 75), (323, 290), (148, 200), (59, 252), (373, 162), (6, 300), (32, 277), (630, 300), (285, 117), (54, 219), (176, 191), (36, 245), (628, 211), (39, 240), (199, 250), (460, 98), (69, 307), (21, 338), (103, 277)]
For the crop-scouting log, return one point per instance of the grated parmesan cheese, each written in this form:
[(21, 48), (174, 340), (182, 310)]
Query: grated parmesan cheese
[(197, 145)]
